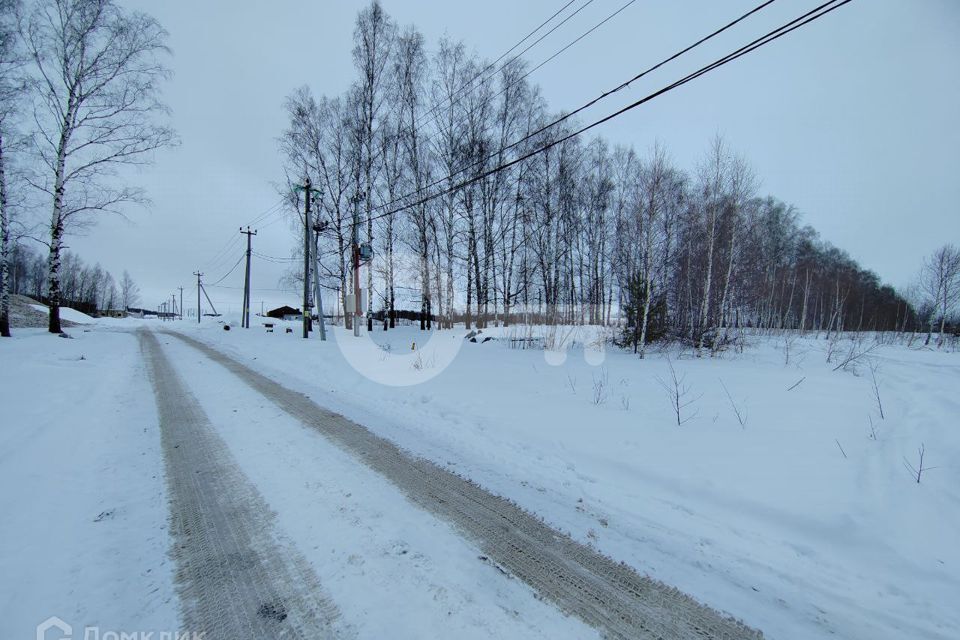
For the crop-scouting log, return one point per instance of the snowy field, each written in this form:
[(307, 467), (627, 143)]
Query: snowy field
[(797, 516)]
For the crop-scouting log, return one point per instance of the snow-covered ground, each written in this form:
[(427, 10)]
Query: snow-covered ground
[(799, 521), (84, 525), (769, 521)]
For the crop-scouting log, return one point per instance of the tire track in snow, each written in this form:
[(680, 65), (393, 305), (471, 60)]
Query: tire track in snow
[(605, 594), (236, 577)]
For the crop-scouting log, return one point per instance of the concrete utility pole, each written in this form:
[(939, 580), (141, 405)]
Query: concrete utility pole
[(181, 302), (173, 304), (317, 229), (199, 275), (357, 309), (306, 260), (245, 321)]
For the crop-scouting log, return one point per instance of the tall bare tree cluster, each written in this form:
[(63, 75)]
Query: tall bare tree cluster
[(84, 77), (85, 287), (939, 289), (580, 233)]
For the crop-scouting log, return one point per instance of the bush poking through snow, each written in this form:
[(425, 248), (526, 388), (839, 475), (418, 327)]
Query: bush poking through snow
[(874, 367), (916, 472), (855, 353), (601, 385), (789, 340), (422, 363), (741, 416), (679, 394)]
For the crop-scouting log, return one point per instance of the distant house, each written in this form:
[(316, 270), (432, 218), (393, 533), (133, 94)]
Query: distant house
[(285, 313), (114, 313), (135, 312)]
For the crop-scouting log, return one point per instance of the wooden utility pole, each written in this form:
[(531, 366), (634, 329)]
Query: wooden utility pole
[(245, 321), (306, 260), (199, 275)]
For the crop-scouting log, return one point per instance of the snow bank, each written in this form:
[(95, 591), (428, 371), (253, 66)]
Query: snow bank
[(66, 313)]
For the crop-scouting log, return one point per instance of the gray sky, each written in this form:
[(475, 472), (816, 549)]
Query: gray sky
[(853, 119)]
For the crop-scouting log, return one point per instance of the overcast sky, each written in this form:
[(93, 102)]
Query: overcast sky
[(853, 119)]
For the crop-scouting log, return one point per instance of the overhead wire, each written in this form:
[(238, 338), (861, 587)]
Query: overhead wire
[(274, 258), (273, 209), (604, 95), (452, 99), (560, 51), (781, 31), (232, 269), (224, 250)]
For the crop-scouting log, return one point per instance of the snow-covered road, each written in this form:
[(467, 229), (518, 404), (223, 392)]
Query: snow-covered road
[(390, 568), (237, 576), (578, 580)]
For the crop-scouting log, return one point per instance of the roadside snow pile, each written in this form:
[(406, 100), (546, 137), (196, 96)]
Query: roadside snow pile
[(66, 313), (782, 496)]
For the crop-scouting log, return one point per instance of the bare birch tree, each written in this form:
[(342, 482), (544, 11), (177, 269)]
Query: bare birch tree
[(374, 37), (712, 188), (96, 87), (129, 291), (940, 282), (11, 90)]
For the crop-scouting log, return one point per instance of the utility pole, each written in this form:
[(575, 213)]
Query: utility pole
[(306, 260), (317, 229), (173, 304), (356, 264), (181, 302), (245, 321), (199, 275)]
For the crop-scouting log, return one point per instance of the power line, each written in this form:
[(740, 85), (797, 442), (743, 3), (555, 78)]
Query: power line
[(453, 99), (233, 241), (527, 37), (223, 286), (626, 84), (564, 48), (222, 251), (232, 269), (587, 105), (274, 258), (268, 212), (557, 53), (781, 31)]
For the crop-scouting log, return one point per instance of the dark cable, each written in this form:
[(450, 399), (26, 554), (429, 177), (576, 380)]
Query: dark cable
[(622, 86), (756, 44)]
